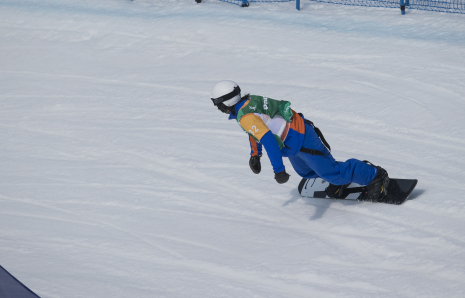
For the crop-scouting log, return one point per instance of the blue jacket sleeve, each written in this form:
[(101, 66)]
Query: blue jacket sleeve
[(272, 150), (255, 147)]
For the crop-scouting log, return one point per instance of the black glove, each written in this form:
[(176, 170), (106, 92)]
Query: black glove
[(281, 177), (254, 164)]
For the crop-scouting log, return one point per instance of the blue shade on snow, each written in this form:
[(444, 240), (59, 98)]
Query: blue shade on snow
[(10, 287)]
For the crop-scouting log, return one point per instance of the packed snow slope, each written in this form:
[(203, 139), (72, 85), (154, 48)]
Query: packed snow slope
[(120, 179)]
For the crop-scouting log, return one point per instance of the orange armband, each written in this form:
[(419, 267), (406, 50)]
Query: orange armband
[(254, 125)]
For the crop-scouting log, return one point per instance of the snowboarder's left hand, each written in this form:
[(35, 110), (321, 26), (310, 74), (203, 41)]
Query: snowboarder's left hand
[(254, 164), (281, 177)]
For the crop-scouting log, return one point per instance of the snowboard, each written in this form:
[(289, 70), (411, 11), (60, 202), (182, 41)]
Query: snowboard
[(397, 193)]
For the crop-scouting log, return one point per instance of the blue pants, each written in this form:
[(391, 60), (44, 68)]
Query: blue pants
[(326, 167)]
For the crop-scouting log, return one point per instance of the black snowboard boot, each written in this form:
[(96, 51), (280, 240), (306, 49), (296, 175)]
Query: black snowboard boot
[(377, 189), (335, 191)]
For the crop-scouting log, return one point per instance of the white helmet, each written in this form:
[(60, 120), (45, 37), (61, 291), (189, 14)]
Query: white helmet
[(226, 92)]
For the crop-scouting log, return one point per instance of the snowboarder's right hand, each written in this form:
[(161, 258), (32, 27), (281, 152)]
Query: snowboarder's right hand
[(281, 177), (254, 164)]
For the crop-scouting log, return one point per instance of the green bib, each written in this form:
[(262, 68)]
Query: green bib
[(268, 106)]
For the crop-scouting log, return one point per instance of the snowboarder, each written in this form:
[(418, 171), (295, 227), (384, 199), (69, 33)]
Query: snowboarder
[(285, 133)]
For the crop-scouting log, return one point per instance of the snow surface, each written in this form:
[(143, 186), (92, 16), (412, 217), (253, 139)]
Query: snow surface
[(120, 179)]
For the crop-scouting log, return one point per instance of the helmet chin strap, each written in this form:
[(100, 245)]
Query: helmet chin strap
[(225, 109)]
